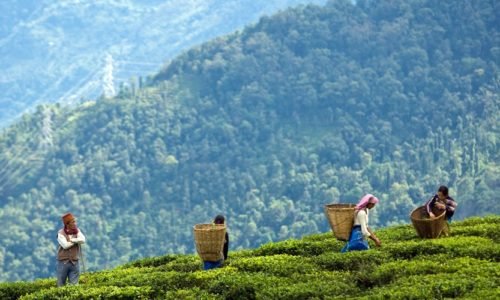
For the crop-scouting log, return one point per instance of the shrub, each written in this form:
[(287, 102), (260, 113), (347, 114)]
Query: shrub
[(491, 231), (397, 233), (299, 247), (152, 261), (433, 286), (405, 267), (350, 261), (473, 221), (14, 290), (321, 237), (476, 247), (493, 293), (158, 281), (410, 249), (426, 265), (84, 292), (242, 285), (282, 265), (188, 263), (188, 294), (311, 286)]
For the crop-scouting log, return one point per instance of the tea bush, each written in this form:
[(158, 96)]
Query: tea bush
[(81, 292), (299, 247), (355, 260), (426, 265), (188, 294), (14, 290), (152, 261), (187, 263), (432, 286), (397, 233), (464, 265), (283, 265)]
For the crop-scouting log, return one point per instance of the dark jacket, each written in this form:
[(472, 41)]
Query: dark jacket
[(226, 246), (450, 204)]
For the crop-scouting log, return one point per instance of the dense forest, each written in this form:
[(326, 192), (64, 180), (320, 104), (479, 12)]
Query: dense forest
[(464, 266), (311, 106)]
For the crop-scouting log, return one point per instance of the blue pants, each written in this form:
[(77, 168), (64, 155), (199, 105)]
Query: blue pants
[(207, 265), (67, 270), (356, 241)]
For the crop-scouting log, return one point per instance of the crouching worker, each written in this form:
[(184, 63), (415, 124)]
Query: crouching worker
[(360, 231), (70, 239), (441, 202), (207, 265)]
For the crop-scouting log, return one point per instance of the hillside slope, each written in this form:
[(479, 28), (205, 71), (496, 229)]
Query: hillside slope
[(310, 106), (464, 265), (55, 51)]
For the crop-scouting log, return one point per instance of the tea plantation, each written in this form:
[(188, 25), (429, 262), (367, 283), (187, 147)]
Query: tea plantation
[(464, 265)]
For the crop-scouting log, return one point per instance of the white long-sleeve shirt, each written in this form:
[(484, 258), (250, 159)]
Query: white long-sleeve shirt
[(74, 239), (362, 220)]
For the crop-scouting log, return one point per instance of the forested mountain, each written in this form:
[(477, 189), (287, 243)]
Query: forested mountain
[(57, 50), (310, 106)]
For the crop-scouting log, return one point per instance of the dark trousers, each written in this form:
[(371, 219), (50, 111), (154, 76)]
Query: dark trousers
[(207, 265)]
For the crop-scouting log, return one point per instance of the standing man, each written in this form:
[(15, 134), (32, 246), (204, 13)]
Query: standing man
[(70, 239)]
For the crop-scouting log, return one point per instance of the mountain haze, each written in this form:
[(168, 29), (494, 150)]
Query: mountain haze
[(313, 105), (55, 51)]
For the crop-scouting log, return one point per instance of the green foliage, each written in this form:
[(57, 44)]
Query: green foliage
[(311, 106), (483, 230), (430, 264), (297, 247), (14, 290), (68, 68), (236, 286), (437, 286), (351, 261), (476, 247), (462, 266), (152, 261), (87, 293), (280, 265)]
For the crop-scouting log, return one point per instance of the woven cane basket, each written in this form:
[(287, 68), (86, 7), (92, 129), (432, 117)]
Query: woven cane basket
[(209, 240), (425, 226), (341, 218)]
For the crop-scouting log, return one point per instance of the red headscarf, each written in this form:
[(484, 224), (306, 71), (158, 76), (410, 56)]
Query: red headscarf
[(70, 231)]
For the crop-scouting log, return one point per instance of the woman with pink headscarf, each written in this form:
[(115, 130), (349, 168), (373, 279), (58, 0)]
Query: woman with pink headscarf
[(360, 230)]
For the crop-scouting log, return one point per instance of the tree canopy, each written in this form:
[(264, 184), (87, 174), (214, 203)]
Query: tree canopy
[(311, 106)]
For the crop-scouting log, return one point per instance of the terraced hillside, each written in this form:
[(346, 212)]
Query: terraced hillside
[(464, 265)]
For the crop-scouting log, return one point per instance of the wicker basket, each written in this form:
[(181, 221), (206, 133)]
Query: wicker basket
[(341, 219), (427, 227), (209, 240)]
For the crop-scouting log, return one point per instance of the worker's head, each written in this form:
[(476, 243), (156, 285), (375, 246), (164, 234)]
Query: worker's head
[(219, 219), (69, 220), (442, 192), (371, 203), (368, 201)]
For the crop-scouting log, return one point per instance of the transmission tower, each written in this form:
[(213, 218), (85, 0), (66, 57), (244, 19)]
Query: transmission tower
[(107, 80), (47, 140)]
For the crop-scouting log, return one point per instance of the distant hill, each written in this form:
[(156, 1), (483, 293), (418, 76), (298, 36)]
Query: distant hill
[(313, 105), (463, 266), (55, 51)]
